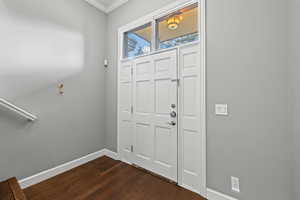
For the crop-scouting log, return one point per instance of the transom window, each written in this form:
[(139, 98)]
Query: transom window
[(178, 28), (138, 41), (174, 29)]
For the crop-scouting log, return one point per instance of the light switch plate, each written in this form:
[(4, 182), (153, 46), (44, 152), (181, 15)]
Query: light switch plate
[(221, 109)]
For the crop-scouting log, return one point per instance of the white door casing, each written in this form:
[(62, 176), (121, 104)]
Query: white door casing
[(154, 91)]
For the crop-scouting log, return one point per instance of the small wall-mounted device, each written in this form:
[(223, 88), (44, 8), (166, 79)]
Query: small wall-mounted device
[(221, 109), (105, 63), (235, 184), (61, 89)]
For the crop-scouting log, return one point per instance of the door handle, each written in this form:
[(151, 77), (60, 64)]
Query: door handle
[(173, 114), (172, 123)]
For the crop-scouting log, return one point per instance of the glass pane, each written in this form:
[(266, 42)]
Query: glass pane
[(178, 28), (138, 41)]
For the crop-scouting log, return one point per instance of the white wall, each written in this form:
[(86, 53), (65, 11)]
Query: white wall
[(44, 43)]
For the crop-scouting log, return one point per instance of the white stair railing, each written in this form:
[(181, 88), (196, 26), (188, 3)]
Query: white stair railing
[(17, 110)]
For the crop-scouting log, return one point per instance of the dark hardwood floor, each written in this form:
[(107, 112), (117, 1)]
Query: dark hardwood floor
[(107, 179), (11, 190)]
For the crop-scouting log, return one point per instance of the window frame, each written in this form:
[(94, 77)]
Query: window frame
[(125, 39), (157, 21)]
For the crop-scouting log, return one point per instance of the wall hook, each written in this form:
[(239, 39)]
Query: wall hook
[(61, 89)]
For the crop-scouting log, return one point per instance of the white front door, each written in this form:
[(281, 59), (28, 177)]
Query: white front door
[(155, 113)]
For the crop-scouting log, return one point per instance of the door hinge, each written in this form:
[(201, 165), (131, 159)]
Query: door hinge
[(131, 148), (131, 109)]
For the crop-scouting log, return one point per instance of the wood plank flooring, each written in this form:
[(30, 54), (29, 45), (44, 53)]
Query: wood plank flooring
[(5, 191), (11, 190), (107, 179)]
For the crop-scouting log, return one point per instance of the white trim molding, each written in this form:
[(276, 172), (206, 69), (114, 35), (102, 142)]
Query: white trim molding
[(37, 178), (107, 9), (203, 131), (214, 195), (116, 4), (111, 154)]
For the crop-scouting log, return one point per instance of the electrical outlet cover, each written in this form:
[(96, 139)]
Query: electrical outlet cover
[(235, 184)]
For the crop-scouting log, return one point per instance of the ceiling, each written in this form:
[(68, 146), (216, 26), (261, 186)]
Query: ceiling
[(106, 2), (106, 5)]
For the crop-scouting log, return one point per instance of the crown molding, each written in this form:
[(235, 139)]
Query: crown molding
[(116, 5), (106, 9), (97, 5)]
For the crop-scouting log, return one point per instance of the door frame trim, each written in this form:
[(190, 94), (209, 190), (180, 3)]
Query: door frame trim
[(203, 107), (202, 47)]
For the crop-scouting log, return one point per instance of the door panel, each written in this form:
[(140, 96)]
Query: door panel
[(143, 109), (125, 115), (154, 92), (189, 129), (144, 101), (144, 148)]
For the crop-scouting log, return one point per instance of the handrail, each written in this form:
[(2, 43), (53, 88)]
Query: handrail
[(18, 110)]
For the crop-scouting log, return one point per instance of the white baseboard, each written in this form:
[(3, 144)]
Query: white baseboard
[(37, 178), (111, 154), (214, 195), (189, 188)]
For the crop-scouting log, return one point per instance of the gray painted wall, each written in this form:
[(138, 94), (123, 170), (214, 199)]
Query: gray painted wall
[(246, 68), (294, 63), (69, 126)]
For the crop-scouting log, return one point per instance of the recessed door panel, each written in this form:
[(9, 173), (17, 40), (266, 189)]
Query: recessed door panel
[(144, 148), (126, 138), (162, 145), (143, 69), (162, 97), (189, 95), (189, 161), (125, 72), (144, 96)]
